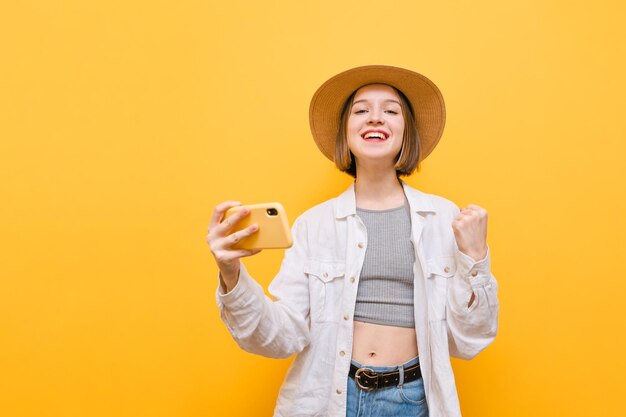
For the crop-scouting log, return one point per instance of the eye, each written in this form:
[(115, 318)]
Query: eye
[(360, 111), (393, 110)]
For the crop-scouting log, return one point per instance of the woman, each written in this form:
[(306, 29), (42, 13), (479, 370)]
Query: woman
[(383, 283)]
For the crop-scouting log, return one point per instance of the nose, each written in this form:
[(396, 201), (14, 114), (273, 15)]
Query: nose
[(375, 117)]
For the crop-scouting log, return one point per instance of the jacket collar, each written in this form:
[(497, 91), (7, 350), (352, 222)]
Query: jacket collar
[(418, 201)]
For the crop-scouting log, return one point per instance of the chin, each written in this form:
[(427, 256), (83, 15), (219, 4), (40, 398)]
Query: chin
[(377, 159)]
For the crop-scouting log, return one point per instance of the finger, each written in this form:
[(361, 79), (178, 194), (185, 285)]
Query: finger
[(230, 222), (234, 238), (474, 210), (245, 253), (220, 209), (466, 213), (226, 256), (477, 209)]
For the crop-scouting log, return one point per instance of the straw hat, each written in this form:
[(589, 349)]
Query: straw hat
[(423, 94)]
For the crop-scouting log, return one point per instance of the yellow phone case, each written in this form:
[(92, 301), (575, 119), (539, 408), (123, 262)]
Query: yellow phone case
[(274, 231)]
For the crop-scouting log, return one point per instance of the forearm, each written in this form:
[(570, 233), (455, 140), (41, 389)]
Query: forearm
[(257, 323), (228, 282), (472, 307)]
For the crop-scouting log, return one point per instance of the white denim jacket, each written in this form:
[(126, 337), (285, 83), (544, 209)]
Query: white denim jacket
[(315, 294)]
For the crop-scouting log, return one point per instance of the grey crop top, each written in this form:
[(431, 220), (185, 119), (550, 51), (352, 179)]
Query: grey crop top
[(385, 292)]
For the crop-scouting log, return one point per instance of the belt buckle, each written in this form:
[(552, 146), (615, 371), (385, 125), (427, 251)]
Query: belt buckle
[(357, 378)]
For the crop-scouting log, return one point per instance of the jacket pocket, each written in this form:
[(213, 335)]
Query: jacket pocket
[(440, 270), (325, 288)]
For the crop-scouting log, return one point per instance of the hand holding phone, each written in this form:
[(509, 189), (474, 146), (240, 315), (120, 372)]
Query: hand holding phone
[(237, 231), (273, 232)]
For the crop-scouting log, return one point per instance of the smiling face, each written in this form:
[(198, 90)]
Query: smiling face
[(375, 125)]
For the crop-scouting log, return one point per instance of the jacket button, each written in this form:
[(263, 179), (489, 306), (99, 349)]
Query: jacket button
[(474, 273), (446, 269), (352, 279), (338, 391), (360, 245), (342, 353), (346, 317), (325, 274)]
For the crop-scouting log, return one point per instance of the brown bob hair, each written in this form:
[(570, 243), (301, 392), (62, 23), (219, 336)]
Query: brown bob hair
[(407, 161)]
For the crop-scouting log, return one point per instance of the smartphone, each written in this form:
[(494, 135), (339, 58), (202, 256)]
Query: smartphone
[(273, 232)]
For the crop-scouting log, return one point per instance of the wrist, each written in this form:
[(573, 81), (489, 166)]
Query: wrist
[(476, 255), (229, 280)]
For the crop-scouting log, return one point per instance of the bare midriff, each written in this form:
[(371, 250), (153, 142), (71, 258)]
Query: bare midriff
[(379, 345)]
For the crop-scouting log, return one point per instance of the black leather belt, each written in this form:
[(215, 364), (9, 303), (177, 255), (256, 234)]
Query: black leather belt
[(368, 380)]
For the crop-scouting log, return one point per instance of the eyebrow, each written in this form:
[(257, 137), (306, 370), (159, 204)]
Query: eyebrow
[(388, 100)]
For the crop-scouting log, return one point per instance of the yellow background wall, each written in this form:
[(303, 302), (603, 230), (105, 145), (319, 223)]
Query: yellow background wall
[(122, 123)]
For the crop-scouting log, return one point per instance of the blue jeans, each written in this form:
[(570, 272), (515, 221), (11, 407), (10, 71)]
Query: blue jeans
[(404, 400)]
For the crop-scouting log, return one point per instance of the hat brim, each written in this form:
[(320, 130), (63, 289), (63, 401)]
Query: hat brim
[(423, 94)]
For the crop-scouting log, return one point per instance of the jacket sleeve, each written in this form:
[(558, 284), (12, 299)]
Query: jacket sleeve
[(471, 329), (278, 327)]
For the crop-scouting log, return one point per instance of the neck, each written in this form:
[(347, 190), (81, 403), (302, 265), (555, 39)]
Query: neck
[(378, 190)]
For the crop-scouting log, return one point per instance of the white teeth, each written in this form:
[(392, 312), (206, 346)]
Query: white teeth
[(376, 135)]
